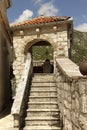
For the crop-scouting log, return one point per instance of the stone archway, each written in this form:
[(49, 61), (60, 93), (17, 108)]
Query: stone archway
[(30, 41), (58, 40), (21, 47), (41, 51)]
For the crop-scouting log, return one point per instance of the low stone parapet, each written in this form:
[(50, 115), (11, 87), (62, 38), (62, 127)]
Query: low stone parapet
[(20, 99), (72, 95)]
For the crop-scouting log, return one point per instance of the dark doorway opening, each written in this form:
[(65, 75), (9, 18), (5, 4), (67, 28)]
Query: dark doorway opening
[(42, 57)]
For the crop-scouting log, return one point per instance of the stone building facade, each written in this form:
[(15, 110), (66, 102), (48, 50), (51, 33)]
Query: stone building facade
[(56, 31), (5, 43), (70, 83)]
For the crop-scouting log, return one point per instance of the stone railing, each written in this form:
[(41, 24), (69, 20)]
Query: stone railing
[(18, 105), (72, 95), (40, 62)]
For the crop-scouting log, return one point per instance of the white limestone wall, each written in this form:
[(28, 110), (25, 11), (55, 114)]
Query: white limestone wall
[(17, 109), (18, 63), (58, 39), (72, 95)]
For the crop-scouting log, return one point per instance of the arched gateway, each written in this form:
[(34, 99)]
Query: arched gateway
[(47, 101), (41, 31)]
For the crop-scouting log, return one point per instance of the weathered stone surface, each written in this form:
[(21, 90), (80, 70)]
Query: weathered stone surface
[(68, 125), (83, 122), (84, 103), (18, 102), (72, 95)]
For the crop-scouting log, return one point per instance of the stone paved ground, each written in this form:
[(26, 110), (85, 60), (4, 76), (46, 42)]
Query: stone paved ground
[(6, 123), (6, 119)]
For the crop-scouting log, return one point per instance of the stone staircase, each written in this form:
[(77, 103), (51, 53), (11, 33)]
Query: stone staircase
[(42, 112)]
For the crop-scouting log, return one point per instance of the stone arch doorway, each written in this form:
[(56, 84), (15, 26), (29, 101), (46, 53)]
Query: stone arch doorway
[(57, 31), (42, 53)]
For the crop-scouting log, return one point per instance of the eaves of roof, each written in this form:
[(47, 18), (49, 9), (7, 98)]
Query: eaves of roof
[(41, 21)]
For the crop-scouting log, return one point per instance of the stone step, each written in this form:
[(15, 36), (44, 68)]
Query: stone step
[(44, 88), (42, 98), (40, 127), (43, 75), (45, 79), (43, 112), (42, 105), (42, 121), (43, 93), (49, 91), (43, 84)]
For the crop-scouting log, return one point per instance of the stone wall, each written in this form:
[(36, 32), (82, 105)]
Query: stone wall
[(21, 44), (19, 61), (72, 95)]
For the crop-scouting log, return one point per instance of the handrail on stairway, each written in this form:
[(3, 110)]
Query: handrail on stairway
[(17, 107), (72, 94)]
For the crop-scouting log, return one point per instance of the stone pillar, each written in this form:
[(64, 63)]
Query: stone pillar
[(63, 43)]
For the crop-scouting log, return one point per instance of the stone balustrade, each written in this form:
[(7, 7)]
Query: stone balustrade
[(40, 62), (18, 105), (72, 95)]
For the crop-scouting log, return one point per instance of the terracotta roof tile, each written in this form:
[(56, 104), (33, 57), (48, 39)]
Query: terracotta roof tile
[(40, 20)]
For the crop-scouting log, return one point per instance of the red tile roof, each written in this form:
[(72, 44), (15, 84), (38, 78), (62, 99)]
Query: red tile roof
[(40, 20)]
